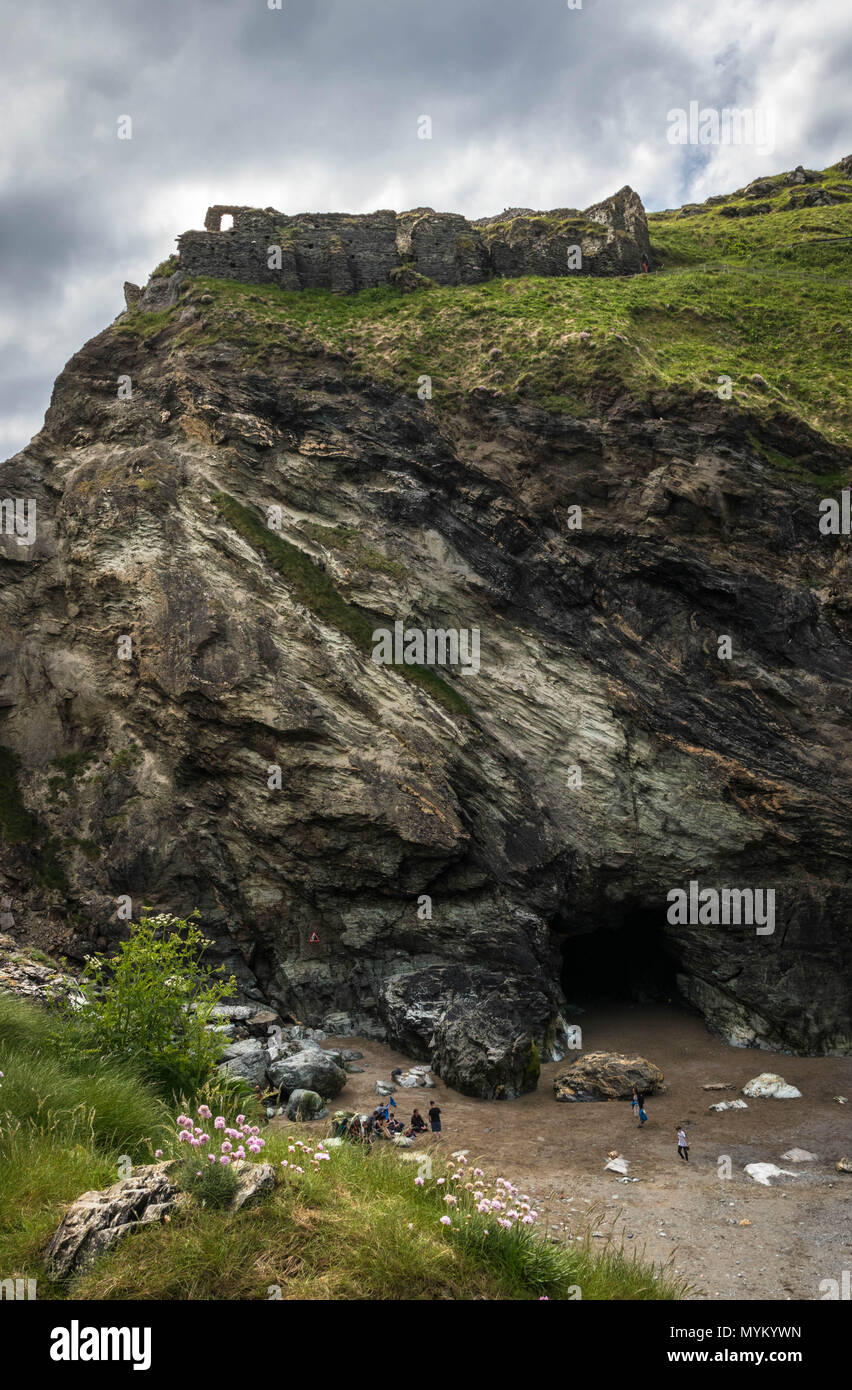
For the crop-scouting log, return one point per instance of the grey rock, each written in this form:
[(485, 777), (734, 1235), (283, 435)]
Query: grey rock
[(306, 1105), (248, 1059), (96, 1220), (338, 1025), (161, 292), (255, 1180), (310, 1071), (485, 1034)]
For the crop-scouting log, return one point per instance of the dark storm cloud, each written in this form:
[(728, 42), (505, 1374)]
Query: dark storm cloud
[(315, 107)]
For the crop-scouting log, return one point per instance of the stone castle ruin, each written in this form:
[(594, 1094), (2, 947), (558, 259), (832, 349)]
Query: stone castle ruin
[(344, 253)]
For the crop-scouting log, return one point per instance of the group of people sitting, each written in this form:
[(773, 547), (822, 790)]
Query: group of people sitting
[(384, 1125)]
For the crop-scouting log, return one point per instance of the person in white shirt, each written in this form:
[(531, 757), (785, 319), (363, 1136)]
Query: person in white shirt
[(682, 1144)]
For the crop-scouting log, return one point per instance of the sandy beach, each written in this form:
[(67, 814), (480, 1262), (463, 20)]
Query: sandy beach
[(801, 1226)]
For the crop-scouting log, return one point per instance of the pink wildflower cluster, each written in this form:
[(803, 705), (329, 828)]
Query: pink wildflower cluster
[(469, 1192), (239, 1141), (296, 1146)]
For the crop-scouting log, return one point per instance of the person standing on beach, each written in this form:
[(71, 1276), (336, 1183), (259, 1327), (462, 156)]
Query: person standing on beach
[(640, 1102), (435, 1117), (682, 1144), (634, 1102)]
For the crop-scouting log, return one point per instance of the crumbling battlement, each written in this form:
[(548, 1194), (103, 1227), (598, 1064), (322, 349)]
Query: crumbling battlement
[(347, 253)]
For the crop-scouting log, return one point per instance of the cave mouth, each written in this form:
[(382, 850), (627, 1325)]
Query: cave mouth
[(625, 958)]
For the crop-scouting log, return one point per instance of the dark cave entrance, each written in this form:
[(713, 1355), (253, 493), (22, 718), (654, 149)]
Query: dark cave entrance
[(627, 957)]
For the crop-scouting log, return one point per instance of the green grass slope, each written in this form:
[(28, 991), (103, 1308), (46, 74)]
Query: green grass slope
[(354, 1227), (763, 296)]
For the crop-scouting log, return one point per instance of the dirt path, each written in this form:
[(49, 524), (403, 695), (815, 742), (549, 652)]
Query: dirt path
[(801, 1227)]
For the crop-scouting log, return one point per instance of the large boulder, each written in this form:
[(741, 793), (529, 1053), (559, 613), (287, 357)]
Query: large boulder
[(97, 1220), (607, 1076), (247, 1059), (770, 1085), (485, 1033), (309, 1070)]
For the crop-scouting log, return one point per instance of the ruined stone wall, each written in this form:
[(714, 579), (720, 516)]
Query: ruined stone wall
[(344, 253)]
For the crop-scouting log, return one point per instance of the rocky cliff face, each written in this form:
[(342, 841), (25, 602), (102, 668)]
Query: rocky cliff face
[(191, 715), (345, 253)]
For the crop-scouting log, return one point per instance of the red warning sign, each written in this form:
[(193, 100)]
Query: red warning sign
[(313, 939)]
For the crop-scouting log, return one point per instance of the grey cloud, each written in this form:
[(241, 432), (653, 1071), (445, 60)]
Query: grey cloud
[(315, 107)]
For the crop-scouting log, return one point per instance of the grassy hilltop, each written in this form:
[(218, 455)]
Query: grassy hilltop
[(763, 293)]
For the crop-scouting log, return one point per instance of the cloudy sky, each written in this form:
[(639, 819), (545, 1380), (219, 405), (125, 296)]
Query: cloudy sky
[(315, 107)]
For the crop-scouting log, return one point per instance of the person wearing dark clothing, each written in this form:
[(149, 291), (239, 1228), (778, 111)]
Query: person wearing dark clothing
[(435, 1118), (682, 1144), (418, 1124)]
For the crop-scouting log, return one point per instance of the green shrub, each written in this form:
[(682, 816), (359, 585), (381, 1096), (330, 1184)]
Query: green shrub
[(152, 1004), (165, 268)]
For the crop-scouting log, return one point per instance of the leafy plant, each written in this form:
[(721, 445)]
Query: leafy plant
[(153, 1003)]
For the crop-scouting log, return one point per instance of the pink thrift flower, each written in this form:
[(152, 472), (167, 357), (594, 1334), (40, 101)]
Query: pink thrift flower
[(445, 1221), (224, 1159), (205, 1112), (227, 1146), (158, 1153), (418, 1182), (241, 1119), (219, 1122), (441, 1182)]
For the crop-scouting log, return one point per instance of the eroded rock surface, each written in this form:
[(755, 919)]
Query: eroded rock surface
[(96, 1220), (152, 774), (607, 1076)]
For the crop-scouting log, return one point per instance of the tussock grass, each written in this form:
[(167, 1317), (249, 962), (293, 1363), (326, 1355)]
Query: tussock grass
[(64, 1122)]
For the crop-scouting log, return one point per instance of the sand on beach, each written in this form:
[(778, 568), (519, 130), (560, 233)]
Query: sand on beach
[(801, 1227)]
